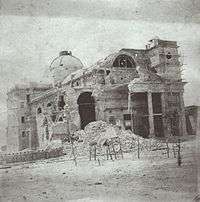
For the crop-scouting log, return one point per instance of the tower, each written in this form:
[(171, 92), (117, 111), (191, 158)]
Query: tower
[(164, 58)]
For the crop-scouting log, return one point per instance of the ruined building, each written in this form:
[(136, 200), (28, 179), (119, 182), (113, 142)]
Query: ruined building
[(136, 89)]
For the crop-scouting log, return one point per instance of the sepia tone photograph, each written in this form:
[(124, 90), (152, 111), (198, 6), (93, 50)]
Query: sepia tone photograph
[(99, 100)]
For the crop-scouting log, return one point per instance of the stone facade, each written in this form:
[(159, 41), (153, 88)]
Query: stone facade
[(19, 115), (130, 88)]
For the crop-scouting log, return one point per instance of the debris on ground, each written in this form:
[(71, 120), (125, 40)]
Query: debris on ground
[(97, 133), (54, 144)]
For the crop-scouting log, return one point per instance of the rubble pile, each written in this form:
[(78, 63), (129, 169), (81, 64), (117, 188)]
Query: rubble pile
[(94, 133), (90, 135), (94, 129), (127, 140), (55, 144), (98, 132), (130, 142), (78, 145)]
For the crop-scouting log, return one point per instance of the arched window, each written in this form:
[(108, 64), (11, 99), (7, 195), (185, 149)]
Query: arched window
[(39, 110), (124, 61)]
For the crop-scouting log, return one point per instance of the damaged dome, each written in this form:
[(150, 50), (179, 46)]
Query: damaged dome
[(63, 65)]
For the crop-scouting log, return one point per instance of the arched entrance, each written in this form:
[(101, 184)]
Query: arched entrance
[(86, 108)]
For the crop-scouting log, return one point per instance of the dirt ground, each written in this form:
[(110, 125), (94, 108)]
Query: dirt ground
[(153, 177)]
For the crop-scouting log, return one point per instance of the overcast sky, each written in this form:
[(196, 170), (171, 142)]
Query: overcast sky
[(33, 32)]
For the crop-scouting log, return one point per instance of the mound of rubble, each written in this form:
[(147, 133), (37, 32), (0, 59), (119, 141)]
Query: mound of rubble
[(55, 144), (98, 131), (100, 134)]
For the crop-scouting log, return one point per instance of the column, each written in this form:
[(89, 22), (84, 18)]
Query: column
[(129, 102), (166, 127), (150, 110), (182, 121)]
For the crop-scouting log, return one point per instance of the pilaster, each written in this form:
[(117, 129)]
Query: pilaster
[(182, 122), (150, 111), (167, 132)]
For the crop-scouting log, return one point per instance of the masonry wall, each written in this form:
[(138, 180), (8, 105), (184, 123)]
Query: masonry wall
[(18, 132), (14, 118)]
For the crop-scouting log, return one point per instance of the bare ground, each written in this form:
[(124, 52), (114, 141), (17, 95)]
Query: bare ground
[(154, 177)]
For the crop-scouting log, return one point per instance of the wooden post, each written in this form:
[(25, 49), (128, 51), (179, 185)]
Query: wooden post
[(107, 152), (174, 151), (73, 153), (179, 160), (120, 147), (167, 148), (95, 153), (110, 153), (113, 149), (132, 127), (99, 162), (138, 148), (90, 154)]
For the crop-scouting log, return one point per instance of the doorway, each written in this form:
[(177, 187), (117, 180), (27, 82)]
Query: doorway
[(140, 114), (86, 106)]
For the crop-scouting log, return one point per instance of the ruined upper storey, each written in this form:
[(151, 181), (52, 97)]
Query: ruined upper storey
[(160, 58)]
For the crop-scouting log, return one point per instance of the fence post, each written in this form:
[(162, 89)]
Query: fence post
[(95, 153), (167, 148), (90, 151), (179, 153), (120, 147), (73, 152), (138, 151)]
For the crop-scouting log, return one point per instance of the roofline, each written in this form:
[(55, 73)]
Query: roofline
[(45, 94)]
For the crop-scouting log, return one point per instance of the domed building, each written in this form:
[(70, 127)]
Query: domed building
[(64, 65), (132, 88)]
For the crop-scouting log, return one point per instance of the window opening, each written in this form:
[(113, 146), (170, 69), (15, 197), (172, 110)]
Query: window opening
[(61, 102), (28, 98), (49, 104), (23, 134), (39, 110), (22, 119)]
